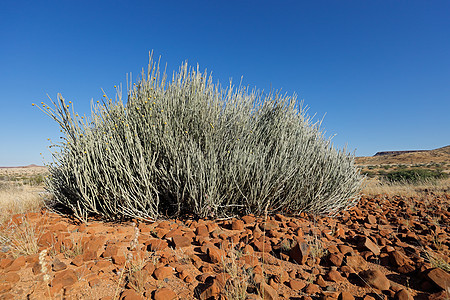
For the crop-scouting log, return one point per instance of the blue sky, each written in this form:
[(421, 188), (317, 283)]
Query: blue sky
[(379, 70)]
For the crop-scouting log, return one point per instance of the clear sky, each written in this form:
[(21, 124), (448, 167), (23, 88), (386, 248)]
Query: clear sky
[(379, 70)]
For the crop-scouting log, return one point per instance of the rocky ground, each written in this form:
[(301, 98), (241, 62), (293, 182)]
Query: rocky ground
[(385, 248)]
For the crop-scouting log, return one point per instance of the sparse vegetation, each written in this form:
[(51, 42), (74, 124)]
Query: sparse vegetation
[(375, 186), (187, 146), (240, 278), (20, 237), (415, 175)]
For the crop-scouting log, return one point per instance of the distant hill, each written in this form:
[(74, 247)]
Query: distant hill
[(440, 155), (22, 167)]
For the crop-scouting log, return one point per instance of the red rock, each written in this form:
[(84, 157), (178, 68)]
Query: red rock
[(269, 225), (149, 267), (93, 248), (181, 241), (78, 260), (110, 251), (58, 265), (250, 260), (5, 262), (131, 295), (398, 259), (262, 247), (94, 282), (64, 278), (173, 233), (17, 264), (10, 277), (164, 294), (300, 253), (334, 276), (188, 279), (156, 245), (403, 295), (248, 219), (190, 235), (375, 279), (237, 225), (439, 277), (5, 287), (371, 219), (202, 230), (160, 232), (312, 289), (36, 268), (266, 291), (371, 246), (163, 272), (103, 264), (346, 296), (296, 284), (47, 239), (320, 281), (356, 262), (58, 227), (346, 270), (336, 259), (211, 291), (216, 255), (344, 249), (332, 249), (222, 279), (248, 250), (273, 283)]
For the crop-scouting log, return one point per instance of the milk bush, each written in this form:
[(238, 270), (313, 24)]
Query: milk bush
[(186, 146)]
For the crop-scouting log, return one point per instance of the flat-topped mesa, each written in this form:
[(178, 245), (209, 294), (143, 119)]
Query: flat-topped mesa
[(398, 152)]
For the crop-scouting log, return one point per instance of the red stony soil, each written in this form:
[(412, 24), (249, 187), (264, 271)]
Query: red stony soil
[(376, 250)]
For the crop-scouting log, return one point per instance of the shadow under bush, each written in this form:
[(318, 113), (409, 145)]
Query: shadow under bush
[(187, 146)]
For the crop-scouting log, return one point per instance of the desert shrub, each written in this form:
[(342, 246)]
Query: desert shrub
[(415, 175), (188, 146)]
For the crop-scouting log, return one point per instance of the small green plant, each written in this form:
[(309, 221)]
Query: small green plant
[(187, 146)]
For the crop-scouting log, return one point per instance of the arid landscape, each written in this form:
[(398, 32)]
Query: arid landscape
[(393, 245)]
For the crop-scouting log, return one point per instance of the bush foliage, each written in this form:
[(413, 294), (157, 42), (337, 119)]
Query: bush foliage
[(186, 146), (415, 175)]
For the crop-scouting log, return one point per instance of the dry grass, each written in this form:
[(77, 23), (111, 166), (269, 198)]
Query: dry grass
[(20, 191), (236, 287), (17, 199), (437, 261), (20, 238), (374, 186), (19, 195)]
